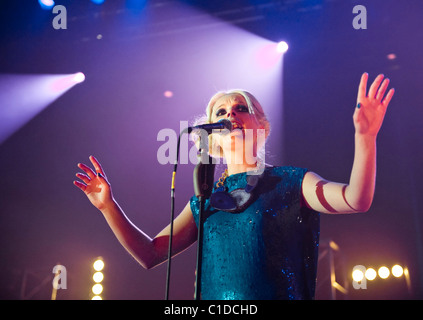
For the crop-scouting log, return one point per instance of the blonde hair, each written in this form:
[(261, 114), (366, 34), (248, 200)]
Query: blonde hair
[(254, 108)]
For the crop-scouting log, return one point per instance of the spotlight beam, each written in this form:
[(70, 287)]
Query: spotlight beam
[(22, 97)]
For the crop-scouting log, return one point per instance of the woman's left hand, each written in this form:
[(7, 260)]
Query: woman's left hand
[(371, 107)]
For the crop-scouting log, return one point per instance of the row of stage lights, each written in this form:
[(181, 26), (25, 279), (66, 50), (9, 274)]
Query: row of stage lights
[(358, 275), (98, 277), (383, 272), (281, 47), (49, 4)]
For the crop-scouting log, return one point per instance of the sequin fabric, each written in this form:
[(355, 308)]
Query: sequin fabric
[(267, 252)]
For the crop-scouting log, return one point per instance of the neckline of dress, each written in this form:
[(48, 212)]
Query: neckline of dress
[(241, 174)]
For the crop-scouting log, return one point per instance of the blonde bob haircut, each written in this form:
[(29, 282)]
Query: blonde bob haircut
[(254, 108)]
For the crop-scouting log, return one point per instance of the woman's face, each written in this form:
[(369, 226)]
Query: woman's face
[(234, 108)]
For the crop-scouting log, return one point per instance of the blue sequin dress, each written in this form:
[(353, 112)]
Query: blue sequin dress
[(267, 252)]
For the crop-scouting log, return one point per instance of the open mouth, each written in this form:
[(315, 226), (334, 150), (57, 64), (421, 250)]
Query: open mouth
[(236, 125)]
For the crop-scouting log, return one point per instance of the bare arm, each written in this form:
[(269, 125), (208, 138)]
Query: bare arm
[(149, 252), (356, 196)]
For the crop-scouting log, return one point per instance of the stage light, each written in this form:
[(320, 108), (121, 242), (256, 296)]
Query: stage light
[(370, 274), (397, 271), (46, 4), (98, 277), (66, 82), (97, 1), (268, 56), (98, 265), (168, 94), (97, 289), (78, 77), (282, 47), (383, 272), (357, 275)]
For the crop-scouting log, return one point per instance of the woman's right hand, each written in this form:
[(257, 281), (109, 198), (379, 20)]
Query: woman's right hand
[(95, 184)]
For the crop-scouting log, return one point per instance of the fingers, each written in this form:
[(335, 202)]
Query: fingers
[(86, 179), (375, 85), (83, 177), (388, 97), (80, 185), (382, 89), (91, 174), (102, 179), (362, 87), (97, 165), (377, 89)]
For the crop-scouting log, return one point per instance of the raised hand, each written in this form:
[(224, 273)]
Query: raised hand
[(371, 107), (95, 184)]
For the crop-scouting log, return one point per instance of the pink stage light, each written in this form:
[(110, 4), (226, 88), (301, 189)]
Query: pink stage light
[(65, 82), (168, 94), (271, 54)]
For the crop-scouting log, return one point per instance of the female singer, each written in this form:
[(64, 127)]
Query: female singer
[(261, 227)]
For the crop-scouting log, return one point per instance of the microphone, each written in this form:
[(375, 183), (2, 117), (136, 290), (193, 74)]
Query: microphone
[(209, 127)]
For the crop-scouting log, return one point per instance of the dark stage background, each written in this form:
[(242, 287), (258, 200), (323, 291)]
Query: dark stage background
[(131, 52)]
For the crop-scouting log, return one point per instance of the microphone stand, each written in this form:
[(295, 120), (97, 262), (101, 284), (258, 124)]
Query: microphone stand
[(172, 213), (203, 186)]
